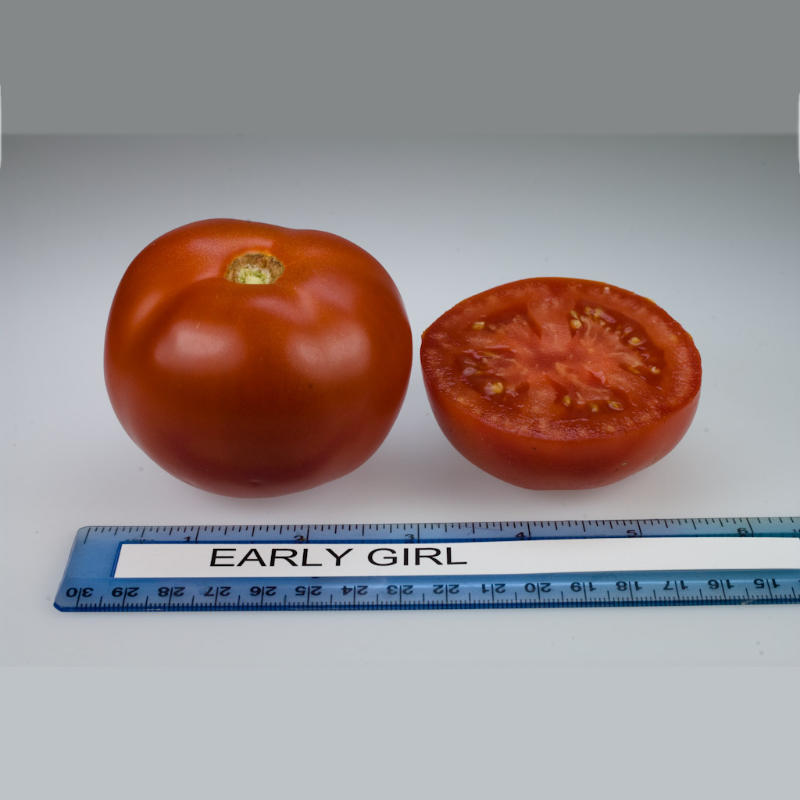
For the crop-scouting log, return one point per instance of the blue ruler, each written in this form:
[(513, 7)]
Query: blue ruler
[(634, 562)]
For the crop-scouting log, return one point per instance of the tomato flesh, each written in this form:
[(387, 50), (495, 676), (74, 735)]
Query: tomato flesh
[(561, 383)]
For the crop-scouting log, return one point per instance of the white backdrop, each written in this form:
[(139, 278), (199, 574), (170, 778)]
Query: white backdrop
[(706, 227)]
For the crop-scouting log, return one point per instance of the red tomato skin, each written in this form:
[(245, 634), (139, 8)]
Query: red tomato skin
[(256, 390), (557, 464), (571, 461)]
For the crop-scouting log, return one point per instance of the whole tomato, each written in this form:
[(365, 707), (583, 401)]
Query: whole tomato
[(253, 360), (560, 383)]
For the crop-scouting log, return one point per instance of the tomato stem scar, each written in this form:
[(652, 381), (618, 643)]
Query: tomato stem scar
[(254, 267)]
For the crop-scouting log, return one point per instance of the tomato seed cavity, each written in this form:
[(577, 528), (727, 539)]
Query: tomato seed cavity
[(572, 363)]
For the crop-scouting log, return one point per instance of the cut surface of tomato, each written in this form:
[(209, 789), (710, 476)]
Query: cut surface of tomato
[(560, 382)]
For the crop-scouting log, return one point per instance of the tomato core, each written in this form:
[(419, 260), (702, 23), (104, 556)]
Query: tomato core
[(254, 268)]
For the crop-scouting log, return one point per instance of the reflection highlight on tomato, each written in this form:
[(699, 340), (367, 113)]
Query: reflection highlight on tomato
[(254, 360), (559, 383)]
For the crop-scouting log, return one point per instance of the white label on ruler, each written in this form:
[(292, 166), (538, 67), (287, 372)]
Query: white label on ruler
[(517, 557)]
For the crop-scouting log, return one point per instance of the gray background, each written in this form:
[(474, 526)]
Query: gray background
[(418, 66), (411, 128)]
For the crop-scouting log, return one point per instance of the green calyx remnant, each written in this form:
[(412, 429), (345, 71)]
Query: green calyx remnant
[(254, 268)]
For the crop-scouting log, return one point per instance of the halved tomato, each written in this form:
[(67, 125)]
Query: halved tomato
[(560, 383)]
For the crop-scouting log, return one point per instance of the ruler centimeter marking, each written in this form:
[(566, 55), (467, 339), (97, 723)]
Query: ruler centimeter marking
[(431, 565)]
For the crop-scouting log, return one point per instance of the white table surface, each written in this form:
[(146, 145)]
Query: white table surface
[(708, 227)]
